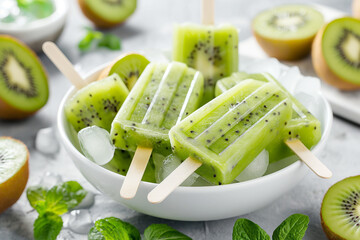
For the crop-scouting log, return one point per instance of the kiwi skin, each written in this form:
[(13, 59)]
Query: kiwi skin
[(7, 111), (323, 70), (287, 50), (98, 21)]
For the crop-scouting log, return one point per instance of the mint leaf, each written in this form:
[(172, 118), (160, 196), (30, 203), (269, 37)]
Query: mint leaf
[(36, 195), (59, 199), (110, 41), (163, 232), (292, 228), (47, 226), (112, 228), (245, 229)]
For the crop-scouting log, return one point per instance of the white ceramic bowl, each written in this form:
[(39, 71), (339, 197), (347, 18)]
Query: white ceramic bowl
[(35, 33), (194, 203)]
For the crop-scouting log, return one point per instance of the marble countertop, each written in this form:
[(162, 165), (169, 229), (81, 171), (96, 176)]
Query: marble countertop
[(150, 28)]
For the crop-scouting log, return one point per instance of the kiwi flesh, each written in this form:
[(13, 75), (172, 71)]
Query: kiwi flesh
[(213, 50), (107, 13), (286, 32), (336, 53), (97, 103), (128, 67), (340, 210), (23, 80)]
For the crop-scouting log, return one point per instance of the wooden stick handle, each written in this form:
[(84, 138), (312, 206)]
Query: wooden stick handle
[(63, 64), (136, 172), (207, 12), (171, 182), (309, 158)]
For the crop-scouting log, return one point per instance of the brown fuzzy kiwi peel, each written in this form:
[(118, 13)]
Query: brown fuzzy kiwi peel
[(323, 70), (96, 19), (7, 110), (288, 50)]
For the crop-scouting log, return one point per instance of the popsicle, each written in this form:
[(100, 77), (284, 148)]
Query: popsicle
[(213, 50), (303, 125), (97, 103), (93, 104), (221, 138), (163, 95)]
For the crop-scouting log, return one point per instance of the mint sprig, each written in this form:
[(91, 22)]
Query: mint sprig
[(292, 228), (109, 41), (163, 232), (51, 204)]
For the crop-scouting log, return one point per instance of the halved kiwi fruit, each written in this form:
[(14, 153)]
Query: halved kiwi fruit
[(340, 210), (286, 32), (107, 13), (14, 171), (336, 53), (128, 67), (23, 81), (356, 8)]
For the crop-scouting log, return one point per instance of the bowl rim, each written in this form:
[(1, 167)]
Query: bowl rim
[(61, 10), (328, 118)]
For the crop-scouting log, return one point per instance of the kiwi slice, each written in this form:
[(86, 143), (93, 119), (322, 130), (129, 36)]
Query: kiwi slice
[(23, 81), (128, 67), (121, 162), (97, 103), (286, 32), (340, 210), (107, 13), (336, 53)]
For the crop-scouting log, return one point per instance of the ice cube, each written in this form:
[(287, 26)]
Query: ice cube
[(256, 168), (50, 179), (87, 202), (96, 144), (80, 221), (46, 142), (165, 166), (311, 102), (289, 78), (309, 85)]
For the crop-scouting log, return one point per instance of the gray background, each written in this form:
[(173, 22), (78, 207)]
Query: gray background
[(150, 28)]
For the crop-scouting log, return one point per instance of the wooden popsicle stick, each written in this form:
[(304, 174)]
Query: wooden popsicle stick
[(63, 64), (309, 158), (207, 12), (136, 171), (171, 182)]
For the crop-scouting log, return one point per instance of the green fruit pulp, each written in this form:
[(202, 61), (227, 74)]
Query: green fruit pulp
[(341, 48), (211, 50), (341, 207), (303, 124), (121, 162), (288, 22), (23, 81), (163, 95), (129, 68), (97, 103), (112, 10), (13, 156), (227, 133)]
